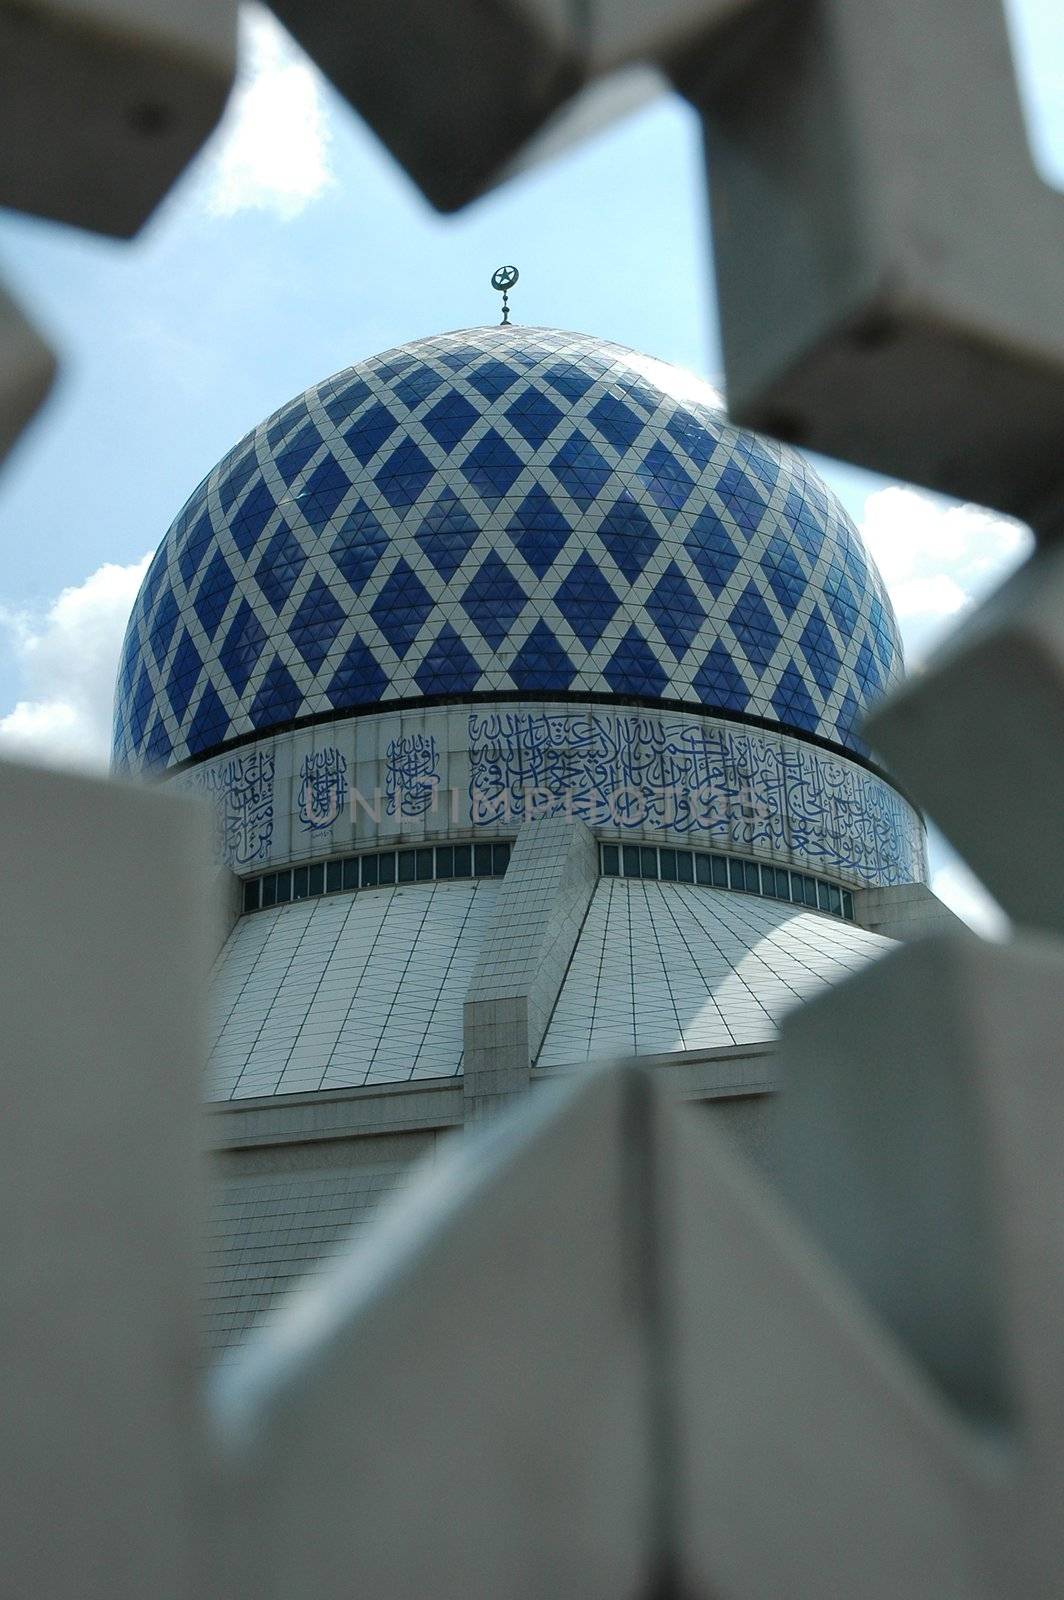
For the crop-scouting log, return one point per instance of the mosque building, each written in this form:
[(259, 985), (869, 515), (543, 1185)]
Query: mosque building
[(527, 694)]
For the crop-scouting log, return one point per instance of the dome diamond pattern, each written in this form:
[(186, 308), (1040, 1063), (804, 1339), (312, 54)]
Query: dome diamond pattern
[(501, 508)]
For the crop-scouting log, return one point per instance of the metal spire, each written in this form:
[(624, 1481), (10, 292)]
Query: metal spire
[(503, 279)]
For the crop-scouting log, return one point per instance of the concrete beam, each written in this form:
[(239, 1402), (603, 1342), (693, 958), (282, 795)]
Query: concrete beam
[(27, 368), (978, 737), (101, 972), (540, 910), (104, 102), (904, 911), (889, 263)]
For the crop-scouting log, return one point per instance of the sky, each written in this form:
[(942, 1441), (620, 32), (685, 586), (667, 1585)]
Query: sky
[(294, 246)]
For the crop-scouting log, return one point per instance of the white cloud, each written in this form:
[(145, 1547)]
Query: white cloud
[(271, 152), (68, 657), (937, 559), (961, 890)]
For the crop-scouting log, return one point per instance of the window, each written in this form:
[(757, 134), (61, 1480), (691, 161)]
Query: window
[(500, 858), (377, 869), (722, 872)]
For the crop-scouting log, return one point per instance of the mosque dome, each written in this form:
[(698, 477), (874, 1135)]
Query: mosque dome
[(502, 513)]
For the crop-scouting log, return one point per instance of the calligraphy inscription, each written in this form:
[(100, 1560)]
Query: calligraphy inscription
[(322, 788), (242, 791), (411, 774), (718, 786)]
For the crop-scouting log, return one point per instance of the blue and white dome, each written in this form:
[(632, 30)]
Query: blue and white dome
[(503, 513)]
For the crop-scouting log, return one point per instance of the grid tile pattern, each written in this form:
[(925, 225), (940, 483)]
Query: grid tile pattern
[(507, 509), (662, 967), (344, 991), (269, 1231)]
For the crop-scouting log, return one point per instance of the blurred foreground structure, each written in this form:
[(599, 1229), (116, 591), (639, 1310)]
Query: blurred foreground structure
[(600, 1354)]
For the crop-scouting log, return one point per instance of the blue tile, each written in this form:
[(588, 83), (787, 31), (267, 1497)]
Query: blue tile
[(251, 518), (209, 725), (450, 420), (841, 600), (569, 380), (405, 475), (140, 708), (359, 544), (634, 669), (158, 748), (618, 424), (282, 562), (697, 435), (629, 535), (401, 607), (803, 524), (541, 664), (581, 469), (197, 541), (586, 601), (163, 625), (449, 667), (359, 679), (867, 671), (494, 600), (743, 500), (297, 451), (323, 491), (786, 576), (534, 416), (539, 530), (369, 431), (718, 682), (492, 378), (667, 483), (417, 386), (792, 701), (752, 624), (447, 534), (712, 549), (760, 461), (492, 467), (183, 677), (675, 608), (342, 402), (318, 619), (242, 647), (848, 725), (819, 650), (215, 590), (278, 700), (240, 467)]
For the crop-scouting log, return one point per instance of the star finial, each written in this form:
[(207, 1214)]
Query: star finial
[(503, 279)]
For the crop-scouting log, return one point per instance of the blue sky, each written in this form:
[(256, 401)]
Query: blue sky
[(294, 246)]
